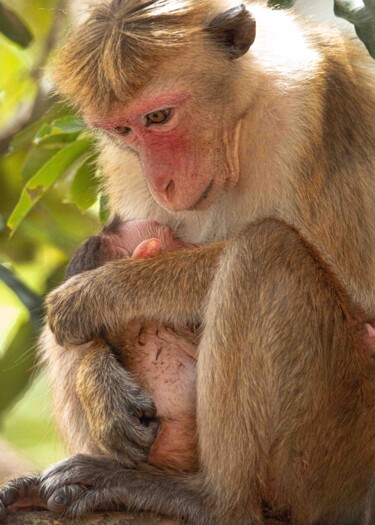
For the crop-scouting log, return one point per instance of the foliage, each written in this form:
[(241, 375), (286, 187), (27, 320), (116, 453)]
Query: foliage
[(363, 18), (47, 174)]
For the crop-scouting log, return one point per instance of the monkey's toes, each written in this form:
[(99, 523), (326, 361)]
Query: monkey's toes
[(17, 490), (63, 497)]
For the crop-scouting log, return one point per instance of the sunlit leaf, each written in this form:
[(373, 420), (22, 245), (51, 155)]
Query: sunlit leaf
[(13, 27), (69, 124), (67, 129), (84, 188), (43, 132), (35, 159), (58, 140), (104, 209), (27, 135), (44, 178)]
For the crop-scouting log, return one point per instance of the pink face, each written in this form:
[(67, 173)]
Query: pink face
[(180, 146)]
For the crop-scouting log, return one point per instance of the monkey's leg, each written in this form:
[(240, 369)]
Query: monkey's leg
[(285, 389), (121, 432)]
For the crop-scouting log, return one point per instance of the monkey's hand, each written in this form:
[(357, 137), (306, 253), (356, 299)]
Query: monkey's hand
[(121, 415), (82, 309), (83, 484)]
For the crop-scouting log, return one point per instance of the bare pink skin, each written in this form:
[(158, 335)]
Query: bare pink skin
[(180, 166), (162, 359), (368, 338), (143, 238)]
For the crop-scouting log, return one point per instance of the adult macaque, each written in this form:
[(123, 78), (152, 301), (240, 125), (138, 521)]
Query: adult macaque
[(161, 359), (241, 128)]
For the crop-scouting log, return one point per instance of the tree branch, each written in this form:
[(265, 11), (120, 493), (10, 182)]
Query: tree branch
[(113, 518)]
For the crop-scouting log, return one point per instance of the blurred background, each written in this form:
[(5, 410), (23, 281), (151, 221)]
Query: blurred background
[(50, 200)]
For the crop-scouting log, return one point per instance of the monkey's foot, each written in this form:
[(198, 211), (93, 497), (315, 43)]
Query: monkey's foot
[(20, 494), (84, 484)]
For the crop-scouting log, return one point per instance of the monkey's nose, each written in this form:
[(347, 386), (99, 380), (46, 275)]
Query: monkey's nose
[(165, 190)]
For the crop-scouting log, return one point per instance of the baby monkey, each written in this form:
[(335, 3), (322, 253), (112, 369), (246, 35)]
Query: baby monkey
[(161, 358)]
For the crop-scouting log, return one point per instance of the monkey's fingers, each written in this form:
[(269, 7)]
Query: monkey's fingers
[(81, 469), (114, 487), (128, 439), (72, 315), (74, 501), (17, 491)]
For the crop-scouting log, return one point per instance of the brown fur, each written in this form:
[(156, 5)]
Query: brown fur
[(285, 386), (122, 36), (161, 359)]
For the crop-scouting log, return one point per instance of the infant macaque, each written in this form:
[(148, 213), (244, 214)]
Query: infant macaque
[(162, 359)]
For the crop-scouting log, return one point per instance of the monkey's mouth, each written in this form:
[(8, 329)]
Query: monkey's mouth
[(203, 197)]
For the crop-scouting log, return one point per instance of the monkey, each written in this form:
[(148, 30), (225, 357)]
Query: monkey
[(161, 359), (251, 133)]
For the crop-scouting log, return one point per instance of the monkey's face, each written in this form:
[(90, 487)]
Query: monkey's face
[(161, 76), (186, 144)]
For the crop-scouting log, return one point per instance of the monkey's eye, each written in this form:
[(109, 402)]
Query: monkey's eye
[(121, 130), (158, 117)]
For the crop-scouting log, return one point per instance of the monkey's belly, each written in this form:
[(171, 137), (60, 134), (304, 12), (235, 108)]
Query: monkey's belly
[(164, 364)]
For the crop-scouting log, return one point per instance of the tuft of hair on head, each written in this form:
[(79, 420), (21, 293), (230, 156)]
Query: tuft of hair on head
[(117, 50)]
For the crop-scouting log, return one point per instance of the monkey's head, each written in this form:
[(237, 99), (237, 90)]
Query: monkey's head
[(159, 78)]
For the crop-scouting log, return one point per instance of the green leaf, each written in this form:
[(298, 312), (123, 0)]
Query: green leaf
[(58, 140), (31, 300), (84, 188), (44, 131), (13, 27), (104, 209), (281, 4), (17, 365), (35, 159), (44, 178), (69, 124), (26, 136), (363, 18), (67, 129)]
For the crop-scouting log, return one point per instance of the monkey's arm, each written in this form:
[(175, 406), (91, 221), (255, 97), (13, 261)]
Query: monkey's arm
[(170, 288)]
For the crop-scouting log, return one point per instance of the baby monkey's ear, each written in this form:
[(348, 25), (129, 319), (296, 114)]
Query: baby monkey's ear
[(234, 30)]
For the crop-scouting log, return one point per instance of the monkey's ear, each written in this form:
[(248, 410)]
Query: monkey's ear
[(234, 29)]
